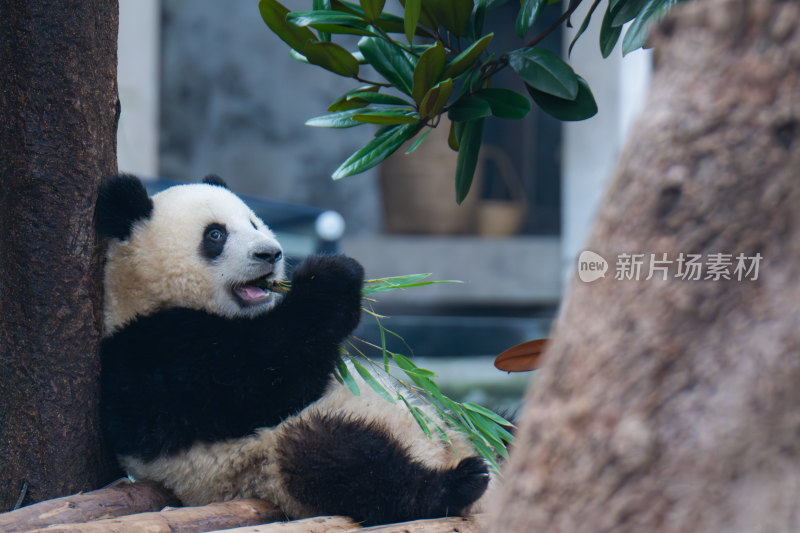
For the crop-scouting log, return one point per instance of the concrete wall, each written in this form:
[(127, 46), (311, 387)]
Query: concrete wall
[(233, 103)]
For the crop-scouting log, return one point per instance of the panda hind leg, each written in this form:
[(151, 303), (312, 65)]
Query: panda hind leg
[(343, 465)]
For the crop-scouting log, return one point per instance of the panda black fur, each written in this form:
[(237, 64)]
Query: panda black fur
[(220, 389)]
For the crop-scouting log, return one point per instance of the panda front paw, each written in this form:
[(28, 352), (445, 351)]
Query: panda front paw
[(329, 273)]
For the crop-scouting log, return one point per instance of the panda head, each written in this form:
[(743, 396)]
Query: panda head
[(197, 246)]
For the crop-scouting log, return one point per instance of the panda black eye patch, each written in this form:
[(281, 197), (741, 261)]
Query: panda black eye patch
[(214, 237)]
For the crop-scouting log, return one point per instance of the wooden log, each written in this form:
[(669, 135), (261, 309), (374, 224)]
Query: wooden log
[(121, 498), (456, 524), (317, 524), (211, 517), (323, 524)]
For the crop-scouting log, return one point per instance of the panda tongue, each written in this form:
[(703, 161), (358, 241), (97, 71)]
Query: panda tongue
[(251, 293)]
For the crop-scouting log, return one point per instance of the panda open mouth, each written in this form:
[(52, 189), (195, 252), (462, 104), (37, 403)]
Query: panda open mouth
[(256, 291)]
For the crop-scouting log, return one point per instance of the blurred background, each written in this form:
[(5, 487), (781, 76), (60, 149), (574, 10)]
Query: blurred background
[(207, 88)]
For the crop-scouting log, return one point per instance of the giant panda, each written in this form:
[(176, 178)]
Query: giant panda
[(218, 387)]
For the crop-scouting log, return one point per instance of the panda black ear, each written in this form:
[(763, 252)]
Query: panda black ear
[(121, 201), (213, 179)]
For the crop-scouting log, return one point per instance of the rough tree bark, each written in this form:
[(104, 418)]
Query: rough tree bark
[(675, 405), (58, 109)]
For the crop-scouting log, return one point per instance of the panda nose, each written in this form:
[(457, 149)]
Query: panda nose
[(270, 255)]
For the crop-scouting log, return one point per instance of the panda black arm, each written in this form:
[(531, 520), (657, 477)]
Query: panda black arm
[(324, 303), (180, 375)]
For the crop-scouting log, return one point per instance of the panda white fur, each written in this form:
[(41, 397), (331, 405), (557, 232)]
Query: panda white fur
[(218, 388)]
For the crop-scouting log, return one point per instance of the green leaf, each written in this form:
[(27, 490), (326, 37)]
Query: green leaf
[(372, 286), (436, 98), (478, 16), (469, 108), (375, 151), (581, 108), (452, 14), (609, 35), (413, 147), (474, 407), (380, 98), (505, 103), (274, 14), (584, 25), (411, 19), (324, 5), (465, 59), (545, 71), (372, 8), (347, 378), (636, 36), (627, 11), (391, 63), (333, 57), (419, 416), (340, 119), (387, 22), (308, 18), (469, 144), (371, 381), (349, 99), (387, 115), (528, 13), (452, 140), (428, 69)]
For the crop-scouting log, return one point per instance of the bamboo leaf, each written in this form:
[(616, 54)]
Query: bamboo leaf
[(348, 379), (274, 14), (544, 71), (475, 408), (469, 144), (376, 150), (371, 381)]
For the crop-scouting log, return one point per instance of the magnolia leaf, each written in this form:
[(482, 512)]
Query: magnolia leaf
[(436, 98), (428, 69), (544, 71), (505, 103), (333, 57), (528, 13), (465, 59), (375, 151), (274, 14), (389, 62), (583, 106), (469, 144)]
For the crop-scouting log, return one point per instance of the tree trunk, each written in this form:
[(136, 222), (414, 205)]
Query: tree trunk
[(58, 108), (674, 405)]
